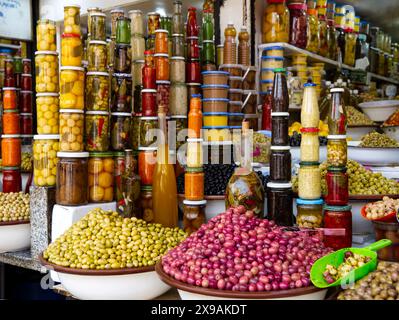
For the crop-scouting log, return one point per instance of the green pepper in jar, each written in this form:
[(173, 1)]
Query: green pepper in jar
[(147, 124), (97, 91), (97, 128), (120, 130)]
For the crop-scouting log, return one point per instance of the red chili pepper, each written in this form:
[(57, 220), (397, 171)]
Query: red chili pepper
[(100, 126)]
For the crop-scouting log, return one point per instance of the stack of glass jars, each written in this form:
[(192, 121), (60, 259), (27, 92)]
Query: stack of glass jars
[(162, 71), (310, 210), (279, 190), (193, 67), (276, 22), (208, 41), (337, 213)]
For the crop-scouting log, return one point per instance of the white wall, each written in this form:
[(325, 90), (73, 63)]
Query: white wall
[(232, 11)]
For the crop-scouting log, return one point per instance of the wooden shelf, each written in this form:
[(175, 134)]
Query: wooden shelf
[(378, 77)]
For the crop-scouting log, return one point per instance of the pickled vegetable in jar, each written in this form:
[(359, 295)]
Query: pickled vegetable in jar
[(71, 50), (177, 69), (120, 131), (12, 181), (153, 22), (331, 40), (193, 72), (137, 106), (97, 130), (26, 101), (46, 64), (298, 25), (137, 70), (276, 22), (310, 213), (192, 29), (279, 203), (71, 130), (310, 114), (338, 218), (27, 66), (194, 215), (47, 113), (72, 81), (97, 26), (323, 31), (146, 125), (72, 178), (313, 43), (147, 161), (337, 151), (45, 148), (178, 99), (123, 59), (123, 32), (161, 66), (26, 123), (115, 14), (136, 22), (72, 19), (337, 187), (149, 102), (161, 41), (101, 179), (149, 72), (11, 150), (194, 184), (9, 98), (178, 45), (26, 82), (46, 34), (138, 47), (337, 118), (121, 94), (146, 204), (350, 47), (97, 56), (97, 91), (280, 164), (310, 145), (11, 123), (309, 181), (163, 93)]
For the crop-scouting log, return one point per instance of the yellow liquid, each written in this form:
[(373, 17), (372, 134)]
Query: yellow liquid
[(164, 191)]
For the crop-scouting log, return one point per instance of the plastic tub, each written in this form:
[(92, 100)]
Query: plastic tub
[(215, 77), (215, 91), (215, 105), (272, 62), (235, 106), (388, 230), (299, 59), (235, 82), (267, 74), (235, 70), (215, 119), (275, 51), (235, 94)]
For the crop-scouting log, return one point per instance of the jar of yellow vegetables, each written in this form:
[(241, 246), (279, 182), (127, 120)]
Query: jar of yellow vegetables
[(72, 88), (45, 148), (46, 65), (101, 177), (71, 50), (47, 113), (276, 22), (72, 19), (71, 130), (46, 35)]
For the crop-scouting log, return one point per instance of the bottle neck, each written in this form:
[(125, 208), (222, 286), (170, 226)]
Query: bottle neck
[(246, 150)]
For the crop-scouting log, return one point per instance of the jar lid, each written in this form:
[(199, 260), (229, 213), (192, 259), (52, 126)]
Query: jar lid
[(11, 111), (311, 202), (70, 35), (162, 55), (122, 75), (26, 91), (251, 116), (280, 148), (235, 114), (53, 53), (309, 84), (193, 84), (9, 89), (7, 136), (194, 203), (336, 137), (46, 94), (149, 118), (235, 127), (28, 136), (162, 82), (98, 42), (272, 58), (236, 103), (337, 169), (26, 60), (72, 154), (337, 208), (235, 78), (267, 81), (216, 127), (209, 114), (280, 114), (138, 61), (26, 75), (274, 185), (97, 14), (310, 130), (215, 86), (26, 114), (46, 137), (224, 73), (149, 91), (117, 11), (235, 90), (280, 70), (161, 31), (215, 99), (105, 154), (252, 92), (178, 58), (178, 117), (192, 38), (334, 90), (102, 113), (194, 170), (121, 114), (71, 111), (309, 163), (72, 68), (267, 69), (196, 96), (208, 41), (195, 140), (298, 6), (237, 66), (146, 188), (177, 35), (11, 168), (97, 73)]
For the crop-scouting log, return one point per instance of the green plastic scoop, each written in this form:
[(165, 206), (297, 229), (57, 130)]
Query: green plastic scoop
[(337, 258)]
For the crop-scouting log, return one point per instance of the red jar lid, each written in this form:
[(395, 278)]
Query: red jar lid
[(70, 35), (148, 52), (298, 6), (310, 130)]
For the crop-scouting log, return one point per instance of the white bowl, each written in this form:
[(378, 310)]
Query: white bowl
[(379, 110), (357, 132), (124, 284), (14, 236), (392, 132), (374, 156)]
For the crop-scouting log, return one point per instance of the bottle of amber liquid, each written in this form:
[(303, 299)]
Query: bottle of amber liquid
[(230, 45), (164, 187), (244, 47), (128, 203)]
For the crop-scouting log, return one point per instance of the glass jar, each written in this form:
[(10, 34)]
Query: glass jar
[(27, 66), (341, 218), (71, 50), (313, 42), (310, 213), (72, 19), (11, 122), (178, 99), (26, 101), (136, 22), (72, 178), (280, 129), (310, 145), (178, 45), (47, 113), (163, 92), (137, 106), (115, 14), (72, 83), (181, 124), (101, 179), (71, 130), (194, 153), (146, 125), (337, 151), (17, 64), (97, 26), (337, 118), (97, 130), (193, 50), (149, 102), (279, 203), (26, 123), (309, 181), (45, 148), (12, 181), (149, 72), (121, 94), (177, 69), (280, 164), (123, 59), (120, 131), (331, 40), (9, 98), (276, 22), (11, 150), (194, 184), (337, 187), (46, 64), (193, 72), (298, 25), (147, 162), (97, 91), (150, 43), (119, 169), (123, 32), (208, 52), (137, 47), (161, 66), (137, 70), (135, 132), (153, 23), (26, 82), (323, 31), (381, 63), (350, 48), (146, 204), (194, 215), (46, 34), (177, 18), (161, 41), (97, 56)]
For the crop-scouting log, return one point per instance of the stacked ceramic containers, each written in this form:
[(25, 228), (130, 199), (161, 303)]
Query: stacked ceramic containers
[(309, 204), (46, 142), (279, 191)]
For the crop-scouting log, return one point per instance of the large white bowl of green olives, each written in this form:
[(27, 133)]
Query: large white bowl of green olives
[(14, 236), (379, 110)]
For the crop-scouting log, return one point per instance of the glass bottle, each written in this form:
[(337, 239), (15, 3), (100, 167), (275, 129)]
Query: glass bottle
[(244, 47), (164, 180), (310, 115), (331, 40), (266, 111), (244, 187), (208, 25), (323, 31), (280, 92), (337, 119), (192, 26), (313, 42), (195, 117), (148, 71), (177, 18), (230, 45)]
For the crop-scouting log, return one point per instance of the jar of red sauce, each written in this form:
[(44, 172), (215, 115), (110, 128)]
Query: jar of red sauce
[(148, 71), (11, 150), (26, 101), (147, 162), (11, 123), (193, 72), (12, 181), (26, 66), (9, 98), (26, 81), (193, 50), (162, 67), (149, 102), (337, 187), (336, 218), (192, 26), (26, 123)]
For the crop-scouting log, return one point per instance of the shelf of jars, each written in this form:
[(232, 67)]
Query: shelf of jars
[(382, 78)]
